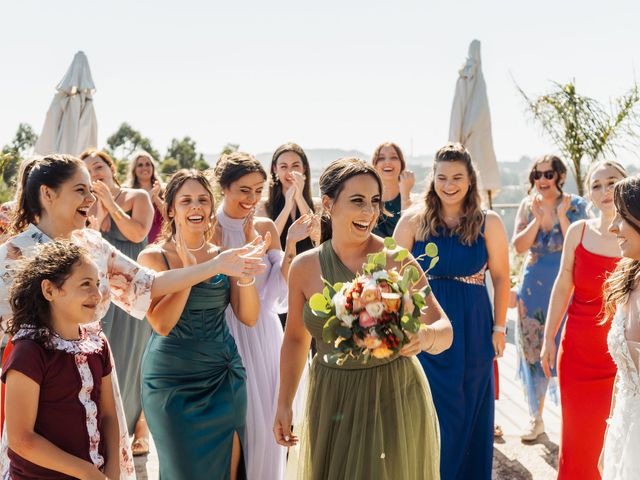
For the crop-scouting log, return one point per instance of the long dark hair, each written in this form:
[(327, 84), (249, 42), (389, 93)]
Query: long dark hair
[(332, 182), (626, 198), (375, 158), (276, 197), (175, 184), (52, 171), (431, 218), (54, 261)]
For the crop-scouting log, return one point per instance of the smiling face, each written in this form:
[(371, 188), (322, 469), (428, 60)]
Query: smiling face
[(287, 163), (69, 204), (355, 211), (546, 186), (601, 187), (628, 236), (77, 299), (388, 164), (241, 196), (99, 170), (143, 169), (451, 182), (192, 208)]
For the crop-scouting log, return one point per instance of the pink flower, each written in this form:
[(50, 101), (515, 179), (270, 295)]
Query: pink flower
[(384, 287), (357, 303), (366, 320)]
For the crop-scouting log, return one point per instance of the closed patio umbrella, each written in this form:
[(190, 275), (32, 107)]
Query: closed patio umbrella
[(70, 125), (471, 121)]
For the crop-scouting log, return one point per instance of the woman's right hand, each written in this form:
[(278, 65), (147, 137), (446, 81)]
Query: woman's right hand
[(245, 261), (536, 208), (282, 427), (548, 356)]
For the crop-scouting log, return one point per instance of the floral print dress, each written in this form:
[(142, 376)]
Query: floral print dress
[(539, 273), (122, 281)]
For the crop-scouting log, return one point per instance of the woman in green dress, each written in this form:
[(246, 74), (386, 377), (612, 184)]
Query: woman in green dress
[(375, 421), (193, 381)]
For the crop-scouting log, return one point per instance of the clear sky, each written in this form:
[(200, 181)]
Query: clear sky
[(343, 74)]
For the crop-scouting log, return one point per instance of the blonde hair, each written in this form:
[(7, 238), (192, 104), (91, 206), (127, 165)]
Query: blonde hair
[(132, 179), (431, 220), (602, 164)]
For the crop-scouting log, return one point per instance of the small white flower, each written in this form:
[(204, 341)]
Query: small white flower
[(347, 319), (380, 275), (340, 301), (375, 309)]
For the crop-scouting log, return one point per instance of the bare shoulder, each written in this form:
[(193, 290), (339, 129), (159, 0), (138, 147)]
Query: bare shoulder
[(264, 225), (152, 257), (493, 221), (574, 232), (306, 260)]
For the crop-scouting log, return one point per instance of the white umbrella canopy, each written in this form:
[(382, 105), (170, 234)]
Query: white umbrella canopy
[(471, 121), (70, 125)]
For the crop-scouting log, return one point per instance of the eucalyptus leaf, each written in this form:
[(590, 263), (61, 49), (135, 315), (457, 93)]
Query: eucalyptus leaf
[(431, 250), (433, 262), (401, 254), (318, 303), (390, 243), (329, 334)]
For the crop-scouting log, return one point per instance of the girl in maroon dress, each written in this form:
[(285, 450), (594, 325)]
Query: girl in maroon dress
[(61, 415), (586, 370)]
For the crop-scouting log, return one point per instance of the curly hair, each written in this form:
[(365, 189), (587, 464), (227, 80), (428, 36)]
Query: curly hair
[(430, 213), (625, 277), (54, 261), (557, 165), (332, 182)]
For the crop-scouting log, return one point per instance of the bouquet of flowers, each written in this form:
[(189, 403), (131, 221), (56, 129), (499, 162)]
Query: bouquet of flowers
[(373, 314)]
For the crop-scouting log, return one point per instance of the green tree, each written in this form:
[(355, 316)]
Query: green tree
[(168, 167), (127, 140), (12, 153), (230, 148), (581, 127), (184, 153)]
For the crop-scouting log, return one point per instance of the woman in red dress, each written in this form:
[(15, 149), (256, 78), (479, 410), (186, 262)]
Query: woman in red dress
[(586, 371)]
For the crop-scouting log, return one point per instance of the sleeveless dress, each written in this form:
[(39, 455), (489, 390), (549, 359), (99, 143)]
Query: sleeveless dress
[(259, 347), (621, 458), (585, 369), (387, 223), (461, 377), (375, 421), (540, 271), (193, 388), (127, 336)]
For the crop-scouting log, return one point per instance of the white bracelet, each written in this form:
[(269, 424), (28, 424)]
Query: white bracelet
[(253, 280), (501, 329)]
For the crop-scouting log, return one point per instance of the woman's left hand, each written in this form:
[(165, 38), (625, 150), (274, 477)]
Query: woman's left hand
[(412, 348), (498, 343), (563, 206)]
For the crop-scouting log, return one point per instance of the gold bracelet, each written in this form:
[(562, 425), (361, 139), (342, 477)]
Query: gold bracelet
[(118, 214)]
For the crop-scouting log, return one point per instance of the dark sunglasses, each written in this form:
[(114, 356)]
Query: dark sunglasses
[(548, 174)]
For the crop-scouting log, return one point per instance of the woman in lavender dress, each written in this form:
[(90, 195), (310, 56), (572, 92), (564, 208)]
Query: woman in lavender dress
[(242, 179)]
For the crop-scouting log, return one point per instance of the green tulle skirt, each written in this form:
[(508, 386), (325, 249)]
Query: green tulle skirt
[(372, 423)]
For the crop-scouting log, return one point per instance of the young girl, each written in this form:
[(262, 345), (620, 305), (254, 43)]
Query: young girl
[(61, 415), (620, 459), (585, 367), (470, 242)]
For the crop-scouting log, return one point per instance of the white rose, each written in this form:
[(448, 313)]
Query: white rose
[(348, 320), (375, 309), (380, 275), (340, 301)]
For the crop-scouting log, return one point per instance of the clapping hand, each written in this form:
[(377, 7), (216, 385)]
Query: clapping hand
[(537, 209), (301, 228), (103, 194), (563, 206), (248, 226), (298, 179), (244, 262), (290, 195)]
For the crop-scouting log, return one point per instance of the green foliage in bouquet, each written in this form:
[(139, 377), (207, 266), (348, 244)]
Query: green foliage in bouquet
[(374, 314)]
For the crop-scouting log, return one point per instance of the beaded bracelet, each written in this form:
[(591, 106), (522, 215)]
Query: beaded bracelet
[(253, 280)]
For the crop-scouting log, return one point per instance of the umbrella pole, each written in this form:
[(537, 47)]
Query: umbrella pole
[(490, 200)]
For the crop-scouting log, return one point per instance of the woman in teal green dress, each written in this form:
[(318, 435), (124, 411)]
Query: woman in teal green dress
[(376, 420), (193, 381)]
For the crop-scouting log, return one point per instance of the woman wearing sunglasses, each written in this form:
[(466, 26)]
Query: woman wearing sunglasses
[(542, 222)]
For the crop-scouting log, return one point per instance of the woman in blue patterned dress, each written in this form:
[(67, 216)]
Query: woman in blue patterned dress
[(541, 224), (470, 242)]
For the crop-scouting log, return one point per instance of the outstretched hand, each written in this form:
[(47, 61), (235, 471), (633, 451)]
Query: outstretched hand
[(244, 262)]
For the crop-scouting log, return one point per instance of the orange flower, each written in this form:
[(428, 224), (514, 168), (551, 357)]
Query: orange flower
[(382, 352), (391, 302)]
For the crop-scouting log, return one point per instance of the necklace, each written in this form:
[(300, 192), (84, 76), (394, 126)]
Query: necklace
[(193, 249)]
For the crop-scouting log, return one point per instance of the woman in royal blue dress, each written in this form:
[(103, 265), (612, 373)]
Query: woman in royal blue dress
[(470, 241), (542, 222), (193, 381)]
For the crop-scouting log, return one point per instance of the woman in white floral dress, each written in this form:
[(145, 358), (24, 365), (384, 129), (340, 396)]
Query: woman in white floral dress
[(54, 197)]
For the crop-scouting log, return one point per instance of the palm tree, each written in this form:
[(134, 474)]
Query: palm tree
[(581, 127)]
